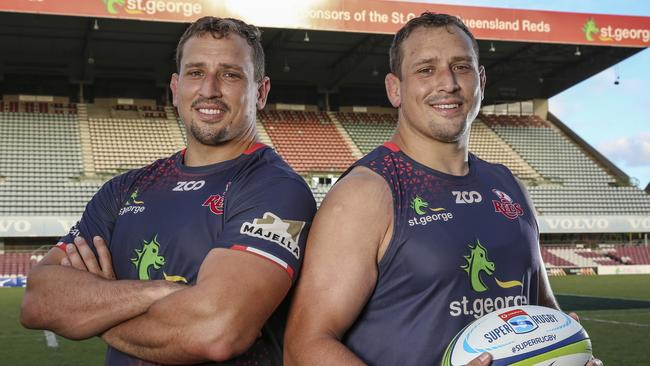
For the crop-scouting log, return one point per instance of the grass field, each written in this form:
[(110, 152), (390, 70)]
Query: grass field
[(615, 310)]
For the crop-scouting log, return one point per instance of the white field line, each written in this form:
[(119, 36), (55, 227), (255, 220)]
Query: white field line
[(50, 338), (600, 297), (615, 322)]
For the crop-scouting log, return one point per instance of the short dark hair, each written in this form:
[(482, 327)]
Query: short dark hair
[(426, 20), (222, 27)]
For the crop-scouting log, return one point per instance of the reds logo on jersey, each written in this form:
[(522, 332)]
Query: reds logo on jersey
[(506, 206), (215, 203)]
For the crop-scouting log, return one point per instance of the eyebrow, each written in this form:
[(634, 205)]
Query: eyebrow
[(221, 65), (430, 60)]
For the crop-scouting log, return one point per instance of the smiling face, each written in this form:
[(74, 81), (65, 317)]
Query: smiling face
[(440, 87), (215, 90)]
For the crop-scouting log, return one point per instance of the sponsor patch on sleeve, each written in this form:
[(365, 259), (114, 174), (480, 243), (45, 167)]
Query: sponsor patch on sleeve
[(266, 255), (285, 233)]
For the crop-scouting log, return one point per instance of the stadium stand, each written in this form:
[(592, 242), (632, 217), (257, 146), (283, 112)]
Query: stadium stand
[(573, 183), (631, 254), (17, 264), (572, 256), (490, 147), (120, 144), (367, 130), (40, 163), (307, 140)]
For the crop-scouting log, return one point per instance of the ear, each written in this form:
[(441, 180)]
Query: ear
[(482, 79), (173, 85), (393, 89), (263, 92)]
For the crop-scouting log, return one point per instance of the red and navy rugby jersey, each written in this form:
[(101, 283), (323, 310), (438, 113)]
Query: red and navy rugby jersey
[(462, 246), (161, 221)]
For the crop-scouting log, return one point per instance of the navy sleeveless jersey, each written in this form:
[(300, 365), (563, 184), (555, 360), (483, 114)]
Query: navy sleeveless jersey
[(161, 221), (461, 248)]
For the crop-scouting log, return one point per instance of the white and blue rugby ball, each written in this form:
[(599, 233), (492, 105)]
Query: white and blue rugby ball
[(525, 335)]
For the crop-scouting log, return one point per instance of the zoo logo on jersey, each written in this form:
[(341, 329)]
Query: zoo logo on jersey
[(477, 264), (506, 206), (285, 233), (463, 197), (147, 257), (133, 205), (420, 207)]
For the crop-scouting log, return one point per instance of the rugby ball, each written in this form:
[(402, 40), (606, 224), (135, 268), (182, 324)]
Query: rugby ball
[(524, 335)]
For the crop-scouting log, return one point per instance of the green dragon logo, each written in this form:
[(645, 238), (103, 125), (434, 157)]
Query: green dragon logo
[(133, 199), (148, 257), (477, 262), (590, 29), (417, 204), (110, 7)]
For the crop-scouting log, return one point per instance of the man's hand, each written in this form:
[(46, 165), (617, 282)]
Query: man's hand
[(484, 359), (81, 257), (594, 361)]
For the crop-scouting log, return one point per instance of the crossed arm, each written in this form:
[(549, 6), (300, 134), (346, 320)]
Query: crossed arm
[(81, 304), (76, 296)]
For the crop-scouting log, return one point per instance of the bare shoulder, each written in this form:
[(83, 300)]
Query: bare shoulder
[(361, 199), (361, 185)]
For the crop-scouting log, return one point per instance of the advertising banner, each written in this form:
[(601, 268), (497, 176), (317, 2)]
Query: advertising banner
[(366, 16)]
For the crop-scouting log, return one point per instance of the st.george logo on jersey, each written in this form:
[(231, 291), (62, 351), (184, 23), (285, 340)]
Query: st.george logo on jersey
[(506, 206)]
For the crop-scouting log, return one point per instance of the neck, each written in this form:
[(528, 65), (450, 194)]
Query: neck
[(449, 158), (198, 154)]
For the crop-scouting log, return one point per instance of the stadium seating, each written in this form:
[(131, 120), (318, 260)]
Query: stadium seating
[(40, 163), (572, 182), (572, 256), (120, 144), (53, 159), (487, 145), (319, 192), (17, 264), (367, 130), (308, 141), (631, 254)]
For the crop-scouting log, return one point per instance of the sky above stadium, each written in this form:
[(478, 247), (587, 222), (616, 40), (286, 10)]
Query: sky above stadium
[(615, 119)]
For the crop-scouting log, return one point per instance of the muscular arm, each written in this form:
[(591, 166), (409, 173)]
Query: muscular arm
[(217, 319), (79, 304), (347, 238)]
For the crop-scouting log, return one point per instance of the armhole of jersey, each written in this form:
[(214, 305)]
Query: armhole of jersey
[(392, 245), (260, 253), (389, 254)]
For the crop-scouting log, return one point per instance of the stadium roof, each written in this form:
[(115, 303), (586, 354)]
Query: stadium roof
[(121, 55)]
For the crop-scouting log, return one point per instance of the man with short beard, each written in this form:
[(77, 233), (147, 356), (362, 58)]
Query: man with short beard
[(192, 256), (419, 237)]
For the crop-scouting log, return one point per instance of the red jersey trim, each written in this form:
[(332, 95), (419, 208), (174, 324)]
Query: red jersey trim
[(263, 254), (254, 148), (61, 245), (391, 146)]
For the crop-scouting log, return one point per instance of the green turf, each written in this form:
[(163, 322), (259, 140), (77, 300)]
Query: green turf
[(615, 311), (26, 347), (617, 286)]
